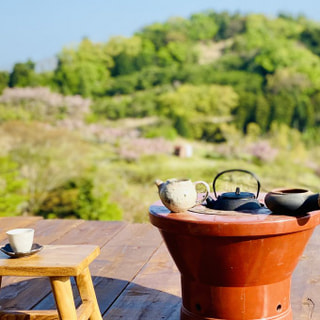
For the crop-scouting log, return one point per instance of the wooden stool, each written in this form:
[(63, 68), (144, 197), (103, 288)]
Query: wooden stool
[(59, 263)]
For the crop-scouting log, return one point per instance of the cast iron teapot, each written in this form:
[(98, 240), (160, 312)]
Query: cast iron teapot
[(237, 200)]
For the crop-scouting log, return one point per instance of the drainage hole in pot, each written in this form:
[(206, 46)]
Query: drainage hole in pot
[(198, 306), (279, 307)]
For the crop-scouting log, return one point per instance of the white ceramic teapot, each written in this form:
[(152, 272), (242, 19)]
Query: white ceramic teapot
[(179, 195)]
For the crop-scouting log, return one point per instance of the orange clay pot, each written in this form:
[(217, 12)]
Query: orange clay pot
[(234, 266)]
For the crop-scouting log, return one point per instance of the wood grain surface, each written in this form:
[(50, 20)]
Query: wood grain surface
[(134, 276)]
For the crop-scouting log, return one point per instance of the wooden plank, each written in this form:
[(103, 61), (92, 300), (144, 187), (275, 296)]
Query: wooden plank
[(131, 277), (305, 291), (160, 273), (118, 263), (92, 232), (50, 231), (7, 223), (154, 293), (24, 294), (28, 315)]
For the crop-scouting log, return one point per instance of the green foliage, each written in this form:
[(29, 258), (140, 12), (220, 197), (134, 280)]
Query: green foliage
[(96, 207), (260, 58), (155, 33), (311, 38), (162, 129), (11, 187), (182, 126), (261, 31), (147, 78), (239, 80), (140, 104), (45, 157), (193, 105), (202, 27), (78, 199), (83, 70), (130, 54), (4, 80), (193, 101), (245, 111), (182, 53), (287, 53), (262, 113), (247, 84), (228, 25), (22, 75), (16, 113)]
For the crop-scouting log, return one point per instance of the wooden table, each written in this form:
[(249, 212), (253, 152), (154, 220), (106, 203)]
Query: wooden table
[(134, 276), (58, 263)]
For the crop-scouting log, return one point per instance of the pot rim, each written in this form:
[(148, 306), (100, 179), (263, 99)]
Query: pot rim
[(284, 191), (233, 225)]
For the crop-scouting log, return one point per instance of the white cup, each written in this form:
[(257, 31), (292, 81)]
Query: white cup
[(21, 239)]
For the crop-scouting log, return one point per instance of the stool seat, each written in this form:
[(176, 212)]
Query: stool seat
[(59, 263)]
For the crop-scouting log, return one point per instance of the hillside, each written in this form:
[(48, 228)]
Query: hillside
[(87, 139)]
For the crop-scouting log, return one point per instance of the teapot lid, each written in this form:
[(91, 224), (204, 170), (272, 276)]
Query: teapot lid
[(237, 195)]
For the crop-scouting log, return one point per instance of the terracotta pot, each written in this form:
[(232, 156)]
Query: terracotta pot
[(237, 266)]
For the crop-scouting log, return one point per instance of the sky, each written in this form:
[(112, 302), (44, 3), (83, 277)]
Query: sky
[(38, 29)]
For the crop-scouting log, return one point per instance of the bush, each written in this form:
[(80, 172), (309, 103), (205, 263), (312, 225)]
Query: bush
[(79, 199)]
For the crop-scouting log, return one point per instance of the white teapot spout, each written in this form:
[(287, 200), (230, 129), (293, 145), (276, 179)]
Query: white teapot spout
[(159, 183)]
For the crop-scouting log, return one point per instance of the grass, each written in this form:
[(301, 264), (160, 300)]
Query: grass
[(133, 186)]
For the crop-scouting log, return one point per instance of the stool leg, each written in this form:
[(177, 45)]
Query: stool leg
[(86, 291), (0, 281), (62, 291)]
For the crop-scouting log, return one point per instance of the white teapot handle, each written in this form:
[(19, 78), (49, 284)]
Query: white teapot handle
[(205, 196)]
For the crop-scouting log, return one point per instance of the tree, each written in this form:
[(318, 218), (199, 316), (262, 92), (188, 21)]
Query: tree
[(4, 80), (84, 70), (182, 52), (311, 38), (262, 113), (190, 105), (202, 27), (79, 199), (146, 56), (22, 75), (156, 33)]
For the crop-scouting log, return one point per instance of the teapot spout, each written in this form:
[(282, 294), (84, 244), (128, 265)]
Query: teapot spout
[(158, 183), (211, 203)]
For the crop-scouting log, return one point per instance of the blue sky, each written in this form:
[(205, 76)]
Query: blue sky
[(39, 29)]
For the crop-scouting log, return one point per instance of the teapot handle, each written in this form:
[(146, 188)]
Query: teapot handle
[(205, 196), (232, 170)]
